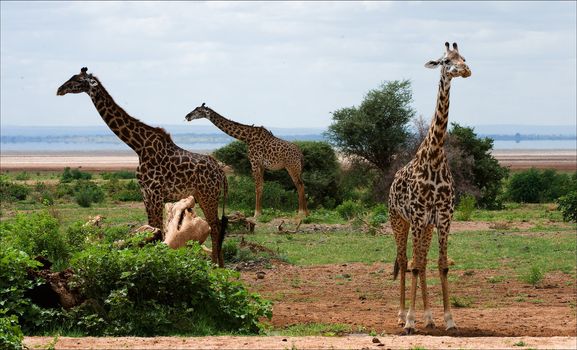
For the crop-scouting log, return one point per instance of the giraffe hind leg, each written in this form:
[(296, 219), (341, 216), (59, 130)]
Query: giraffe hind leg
[(401, 232)]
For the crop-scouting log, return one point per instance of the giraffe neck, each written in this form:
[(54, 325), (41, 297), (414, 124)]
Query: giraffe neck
[(237, 130), (431, 148), (136, 134)]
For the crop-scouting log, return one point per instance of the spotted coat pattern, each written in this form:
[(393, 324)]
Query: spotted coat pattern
[(265, 151), (166, 172), (421, 198)]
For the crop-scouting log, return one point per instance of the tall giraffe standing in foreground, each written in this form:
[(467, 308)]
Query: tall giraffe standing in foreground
[(421, 198), (265, 151), (165, 171)]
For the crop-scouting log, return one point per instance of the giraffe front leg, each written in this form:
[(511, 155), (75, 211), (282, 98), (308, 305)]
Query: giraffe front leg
[(258, 176), (425, 245), (295, 175), (154, 202), (443, 231)]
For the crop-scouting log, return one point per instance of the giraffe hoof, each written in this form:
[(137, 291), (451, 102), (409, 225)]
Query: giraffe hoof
[(408, 331), (430, 325)]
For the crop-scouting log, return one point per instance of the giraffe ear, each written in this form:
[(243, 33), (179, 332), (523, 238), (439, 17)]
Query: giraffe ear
[(433, 64)]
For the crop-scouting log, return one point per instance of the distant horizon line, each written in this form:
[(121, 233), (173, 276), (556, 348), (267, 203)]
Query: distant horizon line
[(275, 127)]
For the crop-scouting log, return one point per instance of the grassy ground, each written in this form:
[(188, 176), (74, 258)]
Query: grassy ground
[(527, 241)]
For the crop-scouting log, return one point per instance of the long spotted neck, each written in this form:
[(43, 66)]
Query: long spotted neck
[(431, 149), (130, 130), (237, 130)]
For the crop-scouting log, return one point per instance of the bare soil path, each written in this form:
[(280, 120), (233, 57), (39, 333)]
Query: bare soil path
[(277, 342)]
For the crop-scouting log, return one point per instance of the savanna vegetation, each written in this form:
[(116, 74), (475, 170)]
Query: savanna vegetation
[(136, 289)]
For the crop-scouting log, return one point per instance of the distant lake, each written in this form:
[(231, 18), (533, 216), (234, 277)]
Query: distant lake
[(208, 138), (209, 146), (535, 144)]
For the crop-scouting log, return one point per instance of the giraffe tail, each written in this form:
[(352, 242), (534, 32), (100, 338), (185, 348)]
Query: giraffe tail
[(224, 218), (396, 270)]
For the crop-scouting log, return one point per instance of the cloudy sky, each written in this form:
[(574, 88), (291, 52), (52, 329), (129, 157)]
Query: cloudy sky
[(285, 64)]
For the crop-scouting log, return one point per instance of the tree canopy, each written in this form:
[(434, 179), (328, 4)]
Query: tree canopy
[(377, 129)]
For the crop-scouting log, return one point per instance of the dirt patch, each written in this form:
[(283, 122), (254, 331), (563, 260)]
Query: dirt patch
[(366, 298), (564, 160), (348, 342)]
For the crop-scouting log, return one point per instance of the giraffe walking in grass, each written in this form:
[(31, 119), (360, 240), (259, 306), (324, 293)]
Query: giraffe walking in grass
[(265, 151), (421, 198), (165, 172)]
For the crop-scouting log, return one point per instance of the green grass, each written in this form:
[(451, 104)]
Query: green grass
[(314, 329), (469, 250), (520, 212)]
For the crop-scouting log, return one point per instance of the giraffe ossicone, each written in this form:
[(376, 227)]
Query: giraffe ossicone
[(421, 198), (165, 171)]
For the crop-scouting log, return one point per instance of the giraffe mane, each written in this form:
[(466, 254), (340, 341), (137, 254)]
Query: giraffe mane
[(158, 130)]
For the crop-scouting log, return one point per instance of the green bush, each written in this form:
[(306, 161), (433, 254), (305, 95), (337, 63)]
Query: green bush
[(155, 290), (14, 284), (482, 172), (466, 207), (379, 215), (36, 234), (11, 335), (10, 191), (534, 186), (87, 192), (241, 195), (349, 209), (121, 174), (22, 176), (235, 154), (74, 174), (568, 206), (130, 192)]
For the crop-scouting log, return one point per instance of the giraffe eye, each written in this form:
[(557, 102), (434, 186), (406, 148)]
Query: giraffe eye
[(446, 61)]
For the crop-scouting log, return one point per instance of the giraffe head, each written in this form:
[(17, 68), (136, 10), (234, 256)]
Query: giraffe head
[(82, 82), (198, 113), (452, 63)]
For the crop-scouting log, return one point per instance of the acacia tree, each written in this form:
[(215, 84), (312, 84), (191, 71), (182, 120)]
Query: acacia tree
[(376, 130), (487, 174)]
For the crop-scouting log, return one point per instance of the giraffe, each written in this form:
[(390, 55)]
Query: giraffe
[(165, 171), (265, 151), (421, 198)]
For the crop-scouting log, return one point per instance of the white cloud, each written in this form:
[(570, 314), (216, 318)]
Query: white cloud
[(284, 63)]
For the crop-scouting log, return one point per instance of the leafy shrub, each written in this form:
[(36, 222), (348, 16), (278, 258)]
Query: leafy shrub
[(11, 335), (349, 209), (568, 206), (14, 284), (123, 191), (475, 169), (36, 234), (156, 290), (533, 276), (74, 174), (235, 154), (466, 207), (87, 192), (534, 186), (22, 176), (121, 174), (379, 215), (241, 195), (10, 191), (129, 192)]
